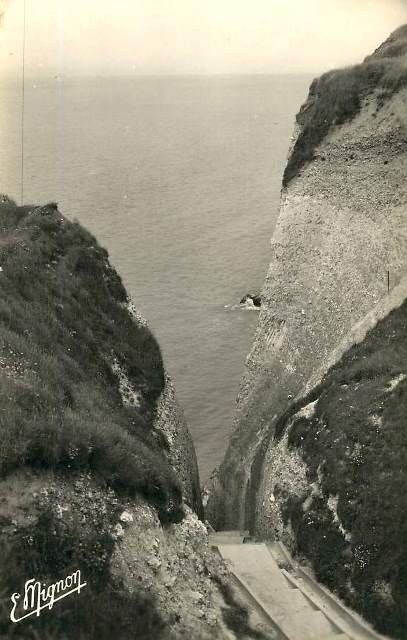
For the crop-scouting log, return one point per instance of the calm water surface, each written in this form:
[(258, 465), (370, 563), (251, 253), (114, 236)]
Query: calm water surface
[(179, 178)]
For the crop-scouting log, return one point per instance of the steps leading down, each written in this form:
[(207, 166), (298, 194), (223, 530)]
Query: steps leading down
[(296, 606), (334, 609), (259, 574)]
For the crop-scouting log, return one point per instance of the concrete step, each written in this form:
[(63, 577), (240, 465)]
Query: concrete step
[(295, 617), (259, 573), (297, 606), (341, 616), (309, 625), (254, 559), (233, 532), (227, 537)]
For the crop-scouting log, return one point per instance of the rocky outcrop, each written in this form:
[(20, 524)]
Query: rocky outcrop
[(338, 259), (172, 430), (143, 579), (170, 422), (97, 468), (251, 299)]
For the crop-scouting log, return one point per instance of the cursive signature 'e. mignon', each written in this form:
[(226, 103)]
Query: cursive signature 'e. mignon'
[(38, 596)]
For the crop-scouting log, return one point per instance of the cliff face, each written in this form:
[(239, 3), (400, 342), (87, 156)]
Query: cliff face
[(82, 374), (338, 258), (170, 421), (97, 467), (334, 476)]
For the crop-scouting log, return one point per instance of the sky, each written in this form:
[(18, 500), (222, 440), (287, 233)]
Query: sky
[(120, 37)]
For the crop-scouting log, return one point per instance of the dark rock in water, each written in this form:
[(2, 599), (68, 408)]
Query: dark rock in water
[(254, 298)]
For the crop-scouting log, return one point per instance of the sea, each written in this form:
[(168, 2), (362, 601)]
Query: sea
[(179, 178)]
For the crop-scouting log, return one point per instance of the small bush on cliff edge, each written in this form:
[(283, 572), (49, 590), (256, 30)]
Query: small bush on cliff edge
[(63, 323)]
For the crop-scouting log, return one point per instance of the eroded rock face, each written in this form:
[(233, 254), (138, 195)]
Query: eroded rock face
[(92, 438), (141, 577), (338, 264), (176, 565), (170, 422), (334, 475), (171, 426), (339, 241)]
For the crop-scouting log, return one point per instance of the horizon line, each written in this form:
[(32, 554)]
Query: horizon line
[(60, 77)]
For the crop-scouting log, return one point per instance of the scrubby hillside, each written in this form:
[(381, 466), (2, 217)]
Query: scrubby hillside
[(97, 468), (80, 379), (339, 96), (339, 251), (338, 489)]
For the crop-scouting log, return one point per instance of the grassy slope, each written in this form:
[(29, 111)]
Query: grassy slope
[(63, 321), (337, 97), (355, 447)]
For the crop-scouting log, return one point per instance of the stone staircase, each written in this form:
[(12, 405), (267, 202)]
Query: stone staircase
[(296, 606)]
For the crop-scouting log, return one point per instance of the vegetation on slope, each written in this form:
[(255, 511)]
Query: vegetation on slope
[(395, 45), (54, 547), (337, 97), (67, 342), (355, 448), (63, 324)]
